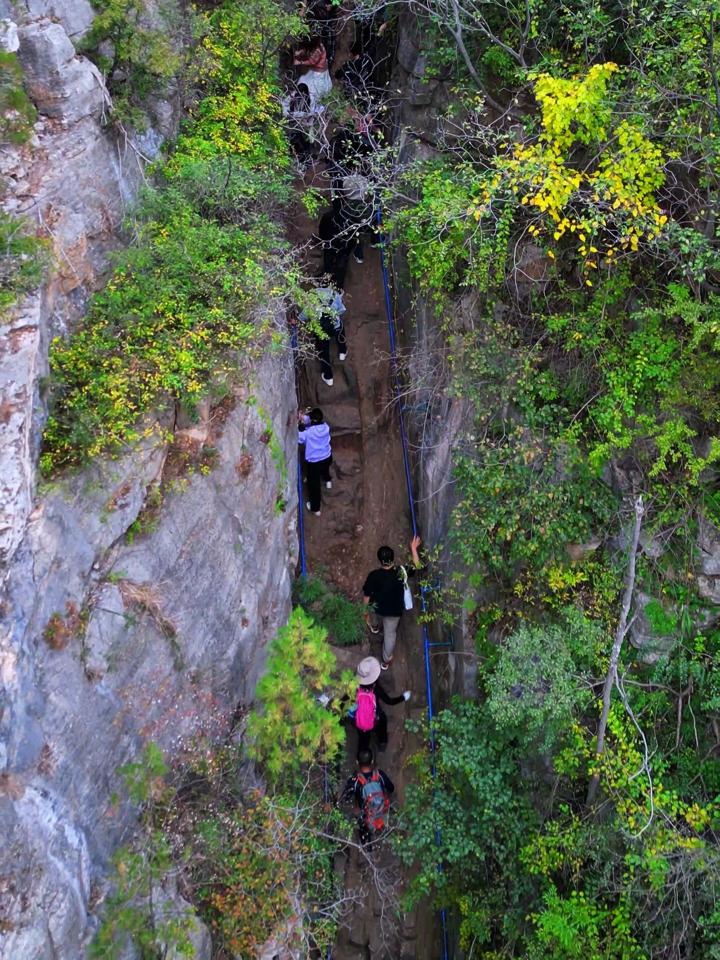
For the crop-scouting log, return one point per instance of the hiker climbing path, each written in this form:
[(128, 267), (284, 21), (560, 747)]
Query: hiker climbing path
[(369, 504), (366, 507)]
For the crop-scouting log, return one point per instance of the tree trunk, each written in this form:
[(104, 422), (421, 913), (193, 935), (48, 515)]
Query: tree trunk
[(622, 629)]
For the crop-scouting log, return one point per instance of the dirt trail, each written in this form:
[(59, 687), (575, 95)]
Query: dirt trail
[(366, 507)]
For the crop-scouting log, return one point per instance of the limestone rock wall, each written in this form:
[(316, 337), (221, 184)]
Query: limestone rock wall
[(72, 182), (113, 637)]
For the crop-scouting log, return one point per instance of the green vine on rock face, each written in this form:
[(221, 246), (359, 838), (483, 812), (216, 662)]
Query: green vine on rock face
[(132, 46), (277, 455)]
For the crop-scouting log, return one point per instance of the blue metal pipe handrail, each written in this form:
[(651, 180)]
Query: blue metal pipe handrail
[(301, 515), (413, 516)]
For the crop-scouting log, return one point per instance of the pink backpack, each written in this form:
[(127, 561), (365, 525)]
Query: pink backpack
[(365, 713)]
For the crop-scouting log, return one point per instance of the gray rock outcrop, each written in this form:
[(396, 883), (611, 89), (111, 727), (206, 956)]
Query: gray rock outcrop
[(709, 578), (113, 639), (61, 84), (9, 39)]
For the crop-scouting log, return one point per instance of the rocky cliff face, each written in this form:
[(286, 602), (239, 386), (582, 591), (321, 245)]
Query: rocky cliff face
[(73, 180), (139, 595), (112, 640)]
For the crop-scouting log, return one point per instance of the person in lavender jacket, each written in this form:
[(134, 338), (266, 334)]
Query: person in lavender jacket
[(314, 433)]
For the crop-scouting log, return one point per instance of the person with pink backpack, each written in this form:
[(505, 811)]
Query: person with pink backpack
[(366, 714)]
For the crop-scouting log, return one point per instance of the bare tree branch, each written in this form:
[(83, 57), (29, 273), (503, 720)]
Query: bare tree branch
[(611, 679)]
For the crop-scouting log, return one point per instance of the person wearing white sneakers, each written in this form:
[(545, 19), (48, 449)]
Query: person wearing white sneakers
[(328, 314), (314, 435)]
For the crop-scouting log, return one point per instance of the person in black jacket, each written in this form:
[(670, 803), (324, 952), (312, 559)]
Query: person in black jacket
[(384, 593), (338, 242), (367, 673), (355, 791)]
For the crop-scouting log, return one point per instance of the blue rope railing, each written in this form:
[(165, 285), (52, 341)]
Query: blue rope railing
[(395, 367)]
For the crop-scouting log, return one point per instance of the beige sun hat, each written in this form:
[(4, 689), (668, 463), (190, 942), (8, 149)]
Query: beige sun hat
[(368, 670)]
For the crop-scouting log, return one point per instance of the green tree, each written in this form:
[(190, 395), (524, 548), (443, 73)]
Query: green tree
[(291, 729), (465, 825), (535, 689)]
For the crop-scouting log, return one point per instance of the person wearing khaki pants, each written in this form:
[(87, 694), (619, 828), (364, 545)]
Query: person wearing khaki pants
[(383, 592)]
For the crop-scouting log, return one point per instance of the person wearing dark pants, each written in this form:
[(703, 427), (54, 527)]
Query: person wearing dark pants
[(338, 242), (314, 434), (369, 790), (370, 692), (327, 314), (334, 330)]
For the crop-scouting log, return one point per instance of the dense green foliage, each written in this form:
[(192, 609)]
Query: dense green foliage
[(194, 299), (343, 619), (565, 231)]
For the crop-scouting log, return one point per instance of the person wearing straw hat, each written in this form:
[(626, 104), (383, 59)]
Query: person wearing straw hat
[(366, 714)]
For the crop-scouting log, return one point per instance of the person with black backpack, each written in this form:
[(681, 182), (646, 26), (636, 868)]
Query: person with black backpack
[(369, 790), (366, 713), (387, 594)]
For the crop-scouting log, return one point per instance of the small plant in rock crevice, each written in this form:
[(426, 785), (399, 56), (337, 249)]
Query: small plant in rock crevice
[(277, 453), (24, 259), (61, 628), (17, 112)]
